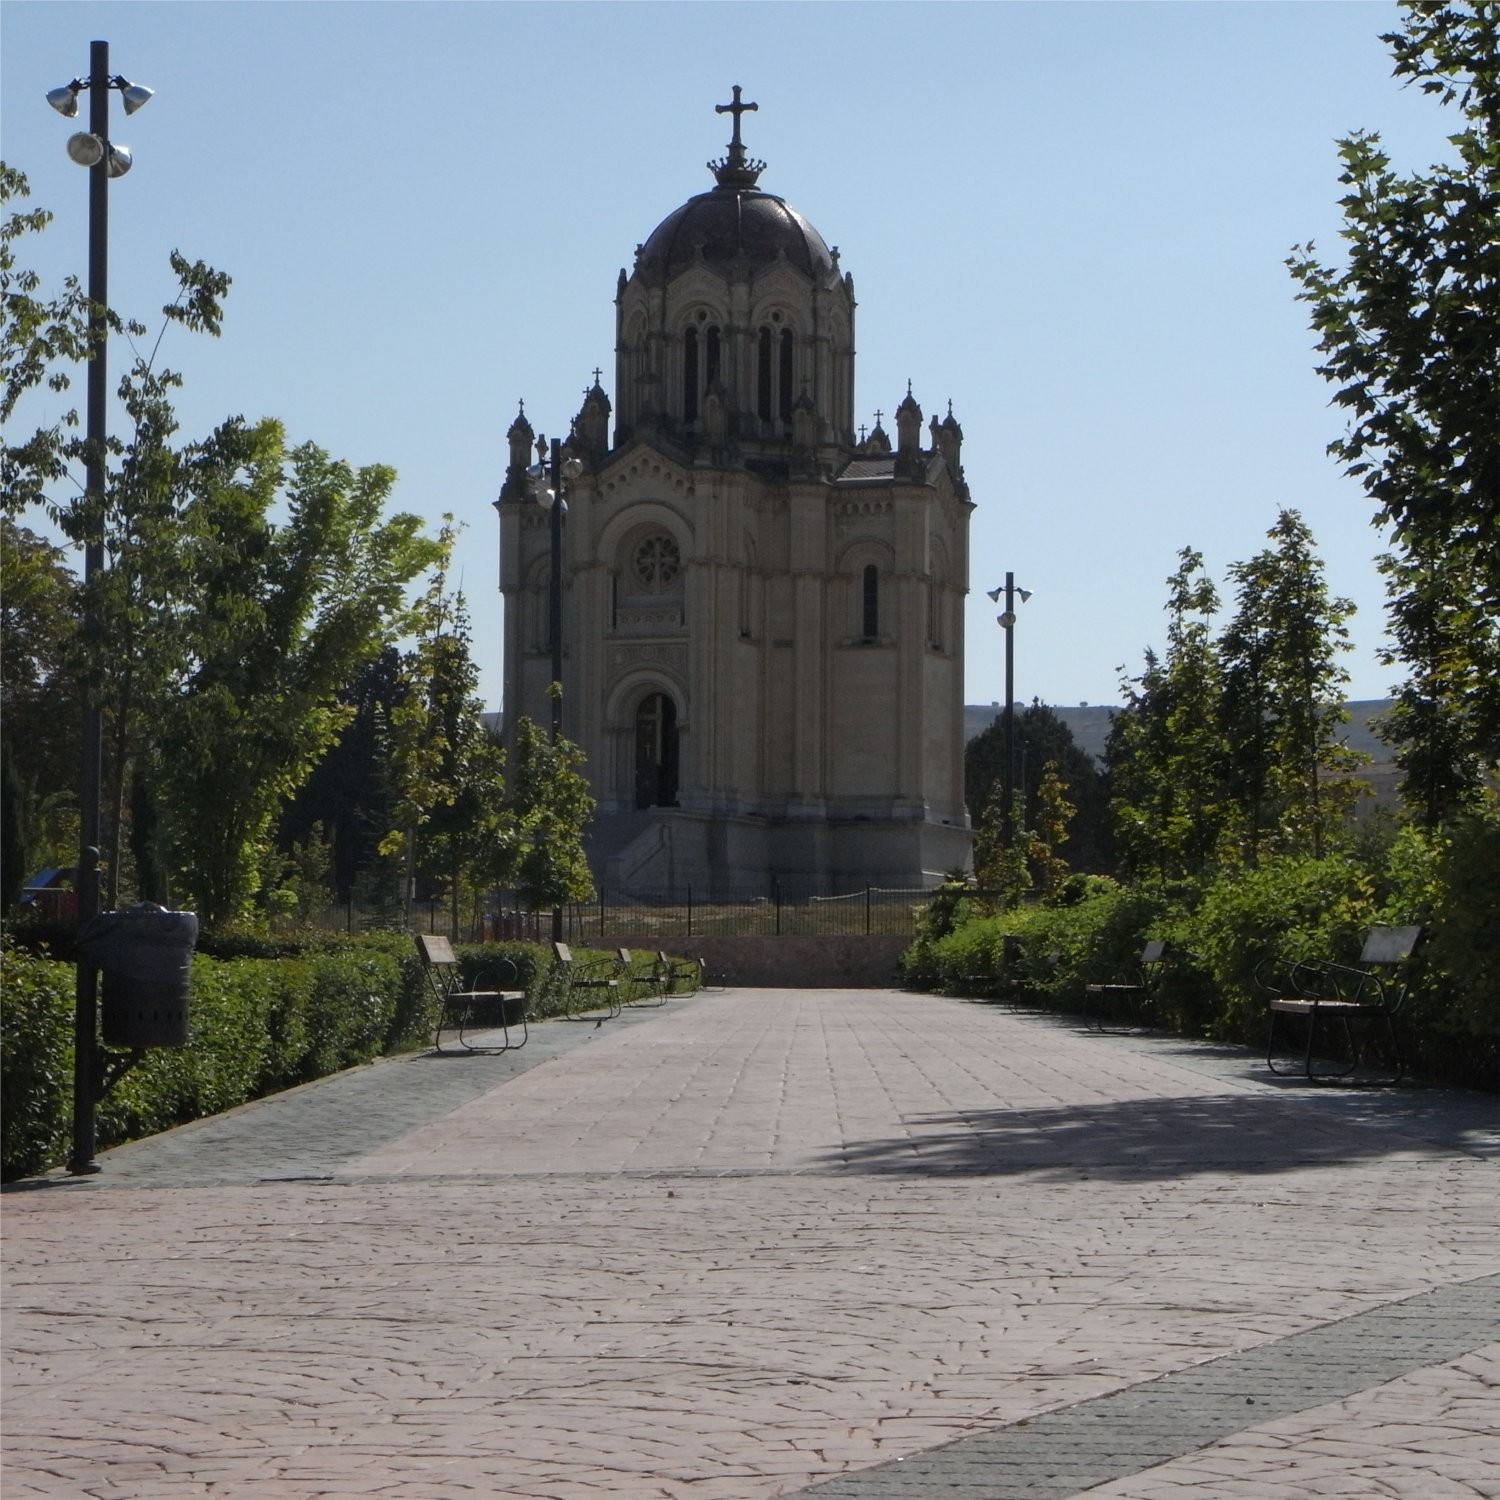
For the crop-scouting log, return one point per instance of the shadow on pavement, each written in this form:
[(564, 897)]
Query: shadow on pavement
[(1268, 1131)]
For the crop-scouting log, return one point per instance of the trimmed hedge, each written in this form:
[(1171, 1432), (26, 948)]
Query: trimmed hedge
[(1222, 930), (264, 1015)]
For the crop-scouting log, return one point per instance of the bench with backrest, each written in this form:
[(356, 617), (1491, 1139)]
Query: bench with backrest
[(640, 986), (1351, 997), (1009, 980), (590, 983), (1127, 1003), (671, 972), (469, 1012)]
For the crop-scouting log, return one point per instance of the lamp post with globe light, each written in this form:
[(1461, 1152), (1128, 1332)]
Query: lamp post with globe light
[(104, 160), (552, 473), (1007, 622)]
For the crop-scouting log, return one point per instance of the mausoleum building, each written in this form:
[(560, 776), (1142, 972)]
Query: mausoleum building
[(761, 607)]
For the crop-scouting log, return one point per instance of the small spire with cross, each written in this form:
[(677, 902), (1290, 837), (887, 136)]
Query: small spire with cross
[(736, 170)]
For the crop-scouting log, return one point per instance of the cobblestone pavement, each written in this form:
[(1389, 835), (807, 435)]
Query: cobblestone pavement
[(855, 1242)]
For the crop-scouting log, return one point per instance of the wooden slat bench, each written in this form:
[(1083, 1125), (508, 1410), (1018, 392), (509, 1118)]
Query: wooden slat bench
[(466, 1012), (1350, 996)]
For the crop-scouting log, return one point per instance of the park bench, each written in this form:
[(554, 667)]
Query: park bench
[(645, 988), (464, 1012), (1011, 981), (589, 983), (1134, 996), (1350, 996), (670, 971)]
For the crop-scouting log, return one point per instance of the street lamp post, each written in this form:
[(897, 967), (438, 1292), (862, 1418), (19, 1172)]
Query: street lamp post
[(554, 602), (1007, 622), (104, 160), (551, 464)]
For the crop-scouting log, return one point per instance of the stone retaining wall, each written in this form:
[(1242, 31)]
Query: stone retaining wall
[(799, 962)]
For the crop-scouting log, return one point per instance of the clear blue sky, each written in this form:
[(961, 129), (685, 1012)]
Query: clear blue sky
[(1069, 219)]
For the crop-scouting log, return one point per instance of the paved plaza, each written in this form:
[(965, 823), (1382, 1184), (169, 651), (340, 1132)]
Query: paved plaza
[(853, 1244)]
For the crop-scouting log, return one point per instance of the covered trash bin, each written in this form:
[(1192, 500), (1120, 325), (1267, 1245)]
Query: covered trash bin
[(146, 954)]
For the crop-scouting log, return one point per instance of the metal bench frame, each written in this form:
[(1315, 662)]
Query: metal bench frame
[(595, 979), (669, 970), (1141, 990), (462, 1011), (656, 995), (1350, 995)]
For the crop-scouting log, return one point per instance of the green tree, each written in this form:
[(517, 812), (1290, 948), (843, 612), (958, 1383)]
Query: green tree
[(350, 793), (448, 766), (1283, 691), (1054, 812), (278, 618), (1408, 333), (466, 839), (40, 703), (551, 805), (1167, 752), (39, 337), (1042, 739)]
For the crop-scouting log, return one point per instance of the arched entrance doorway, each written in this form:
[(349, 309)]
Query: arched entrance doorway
[(656, 752)]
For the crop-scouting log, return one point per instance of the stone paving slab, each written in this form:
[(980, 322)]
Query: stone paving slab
[(730, 1249)]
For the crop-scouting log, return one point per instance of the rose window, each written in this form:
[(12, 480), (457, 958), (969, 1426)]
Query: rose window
[(658, 563)]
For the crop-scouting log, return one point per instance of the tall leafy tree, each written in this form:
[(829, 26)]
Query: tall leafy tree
[(1408, 332), (1167, 752), (448, 766), (40, 702), (1042, 739), (551, 805), (1283, 691), (278, 617), (351, 792), (40, 337)]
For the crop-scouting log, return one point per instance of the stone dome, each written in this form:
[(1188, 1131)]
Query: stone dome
[(731, 226)]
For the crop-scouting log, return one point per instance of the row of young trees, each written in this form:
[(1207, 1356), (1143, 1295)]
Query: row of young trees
[(244, 648), (1228, 748)]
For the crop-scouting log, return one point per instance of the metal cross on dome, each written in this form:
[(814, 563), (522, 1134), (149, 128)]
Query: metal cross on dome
[(736, 109)]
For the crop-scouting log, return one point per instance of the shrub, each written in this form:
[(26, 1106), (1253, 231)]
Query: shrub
[(1291, 906), (256, 1025), (36, 1061)]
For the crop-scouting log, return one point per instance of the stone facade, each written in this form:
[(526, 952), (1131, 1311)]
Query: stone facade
[(762, 611)]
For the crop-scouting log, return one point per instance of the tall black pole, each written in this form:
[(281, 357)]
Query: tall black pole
[(554, 604), (86, 984), (554, 620), (1007, 789)]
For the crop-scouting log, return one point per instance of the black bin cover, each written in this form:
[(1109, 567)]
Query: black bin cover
[(146, 955)]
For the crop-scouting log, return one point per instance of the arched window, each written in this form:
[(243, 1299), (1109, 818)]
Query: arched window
[(711, 373), (774, 364), (870, 612), (690, 375), (784, 393), (656, 752)]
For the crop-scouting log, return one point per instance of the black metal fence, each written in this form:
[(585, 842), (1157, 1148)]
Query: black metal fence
[(784, 910)]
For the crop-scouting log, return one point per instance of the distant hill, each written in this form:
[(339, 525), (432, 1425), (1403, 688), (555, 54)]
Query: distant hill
[(1090, 726)]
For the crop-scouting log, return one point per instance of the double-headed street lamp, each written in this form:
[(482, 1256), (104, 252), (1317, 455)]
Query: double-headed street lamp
[(1007, 622), (551, 473), (93, 149), (551, 494)]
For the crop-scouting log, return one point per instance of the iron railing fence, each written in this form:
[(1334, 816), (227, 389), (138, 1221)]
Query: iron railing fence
[(786, 910)]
